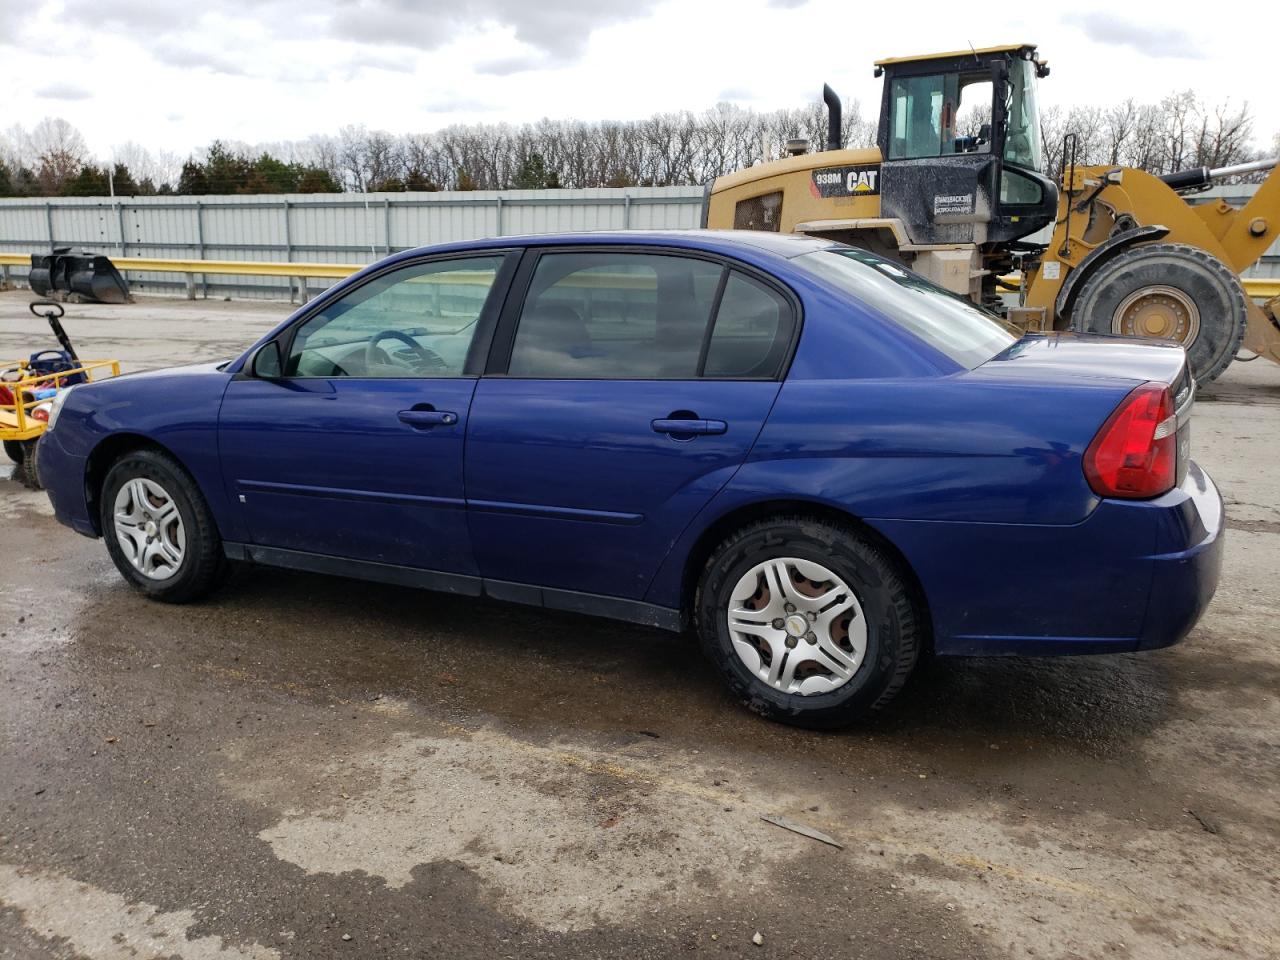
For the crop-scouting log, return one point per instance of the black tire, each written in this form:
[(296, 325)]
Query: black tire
[(27, 466), (203, 565), (13, 450), (895, 623), (1206, 281)]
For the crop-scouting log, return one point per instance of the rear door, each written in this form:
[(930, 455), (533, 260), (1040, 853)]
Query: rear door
[(355, 448), (625, 388)]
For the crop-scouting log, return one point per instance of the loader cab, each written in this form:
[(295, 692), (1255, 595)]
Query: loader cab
[(959, 134)]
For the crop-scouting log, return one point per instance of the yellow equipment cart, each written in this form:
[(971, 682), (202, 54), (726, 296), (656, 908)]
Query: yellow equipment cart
[(28, 388)]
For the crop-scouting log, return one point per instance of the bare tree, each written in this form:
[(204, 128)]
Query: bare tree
[(160, 168), (59, 151), (664, 149), (1225, 135)]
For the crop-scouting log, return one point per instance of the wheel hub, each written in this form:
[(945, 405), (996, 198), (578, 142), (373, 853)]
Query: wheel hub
[(1158, 311), (148, 528), (797, 626)]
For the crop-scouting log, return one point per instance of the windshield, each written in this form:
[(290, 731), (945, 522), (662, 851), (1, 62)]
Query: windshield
[(961, 330), (1022, 146)]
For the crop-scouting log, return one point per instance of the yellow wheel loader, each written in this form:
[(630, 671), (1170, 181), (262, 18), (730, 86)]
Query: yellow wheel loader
[(966, 207)]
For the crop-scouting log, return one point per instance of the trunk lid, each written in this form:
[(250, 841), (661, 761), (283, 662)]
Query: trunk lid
[(1073, 356), (1060, 358)]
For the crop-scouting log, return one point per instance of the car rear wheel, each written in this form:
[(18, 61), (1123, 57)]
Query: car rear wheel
[(159, 529), (809, 622)]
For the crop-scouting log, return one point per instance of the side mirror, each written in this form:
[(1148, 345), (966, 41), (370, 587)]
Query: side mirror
[(267, 363)]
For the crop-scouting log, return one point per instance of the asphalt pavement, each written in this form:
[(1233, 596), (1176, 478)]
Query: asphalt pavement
[(311, 767)]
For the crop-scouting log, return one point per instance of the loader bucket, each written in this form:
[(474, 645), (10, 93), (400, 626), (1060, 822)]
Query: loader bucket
[(69, 271)]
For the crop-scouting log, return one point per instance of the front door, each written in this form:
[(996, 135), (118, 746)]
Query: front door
[(635, 386), (356, 449)]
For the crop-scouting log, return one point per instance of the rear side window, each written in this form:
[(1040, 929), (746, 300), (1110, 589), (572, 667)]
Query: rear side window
[(948, 323), (631, 316), (752, 333), (648, 316)]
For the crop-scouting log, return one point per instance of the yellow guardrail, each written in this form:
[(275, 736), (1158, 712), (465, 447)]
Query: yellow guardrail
[(1260, 288), (258, 268)]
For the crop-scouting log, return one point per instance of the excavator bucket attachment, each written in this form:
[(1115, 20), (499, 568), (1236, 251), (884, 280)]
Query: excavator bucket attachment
[(69, 271)]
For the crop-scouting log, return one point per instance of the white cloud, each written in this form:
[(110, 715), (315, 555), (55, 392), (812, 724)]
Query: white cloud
[(61, 90), (1152, 40), (273, 70), (558, 28)]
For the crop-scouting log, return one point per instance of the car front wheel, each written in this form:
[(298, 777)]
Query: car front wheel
[(809, 622), (159, 529)]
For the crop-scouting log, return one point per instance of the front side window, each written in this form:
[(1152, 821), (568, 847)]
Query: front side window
[(1023, 145), (418, 321), (950, 324), (614, 315)]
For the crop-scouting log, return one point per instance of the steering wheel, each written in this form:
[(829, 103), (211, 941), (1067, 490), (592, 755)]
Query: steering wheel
[(427, 359)]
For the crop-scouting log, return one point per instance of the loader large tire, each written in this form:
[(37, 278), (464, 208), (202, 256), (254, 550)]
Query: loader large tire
[(1169, 291)]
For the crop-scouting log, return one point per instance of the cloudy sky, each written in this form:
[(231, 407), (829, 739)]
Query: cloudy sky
[(174, 75)]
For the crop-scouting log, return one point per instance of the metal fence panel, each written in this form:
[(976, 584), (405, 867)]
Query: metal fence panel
[(353, 228), (319, 228)]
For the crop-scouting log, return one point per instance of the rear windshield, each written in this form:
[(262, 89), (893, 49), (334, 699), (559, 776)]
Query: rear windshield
[(963, 331)]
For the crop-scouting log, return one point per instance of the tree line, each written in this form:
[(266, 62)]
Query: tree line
[(666, 149)]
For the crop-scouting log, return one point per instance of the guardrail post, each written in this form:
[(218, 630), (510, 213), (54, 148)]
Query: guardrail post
[(120, 226), (499, 232), (191, 286), (303, 295), (626, 211), (386, 225), (204, 278), (6, 280), (288, 245), (48, 219)]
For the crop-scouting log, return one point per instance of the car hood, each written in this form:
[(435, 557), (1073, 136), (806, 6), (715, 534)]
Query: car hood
[(188, 370)]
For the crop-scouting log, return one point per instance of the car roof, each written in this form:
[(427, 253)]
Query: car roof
[(717, 241)]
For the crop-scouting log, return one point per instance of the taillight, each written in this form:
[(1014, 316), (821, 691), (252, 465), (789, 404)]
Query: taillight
[(1135, 454)]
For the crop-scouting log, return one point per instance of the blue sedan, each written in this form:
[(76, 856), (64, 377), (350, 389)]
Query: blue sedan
[(820, 462)]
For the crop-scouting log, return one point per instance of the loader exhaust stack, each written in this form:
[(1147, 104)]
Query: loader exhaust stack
[(834, 117)]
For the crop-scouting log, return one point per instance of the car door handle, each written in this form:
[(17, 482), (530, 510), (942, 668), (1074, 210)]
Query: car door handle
[(699, 427), (428, 418)]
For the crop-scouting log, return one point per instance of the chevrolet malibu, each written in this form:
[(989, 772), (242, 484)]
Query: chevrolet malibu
[(820, 462)]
